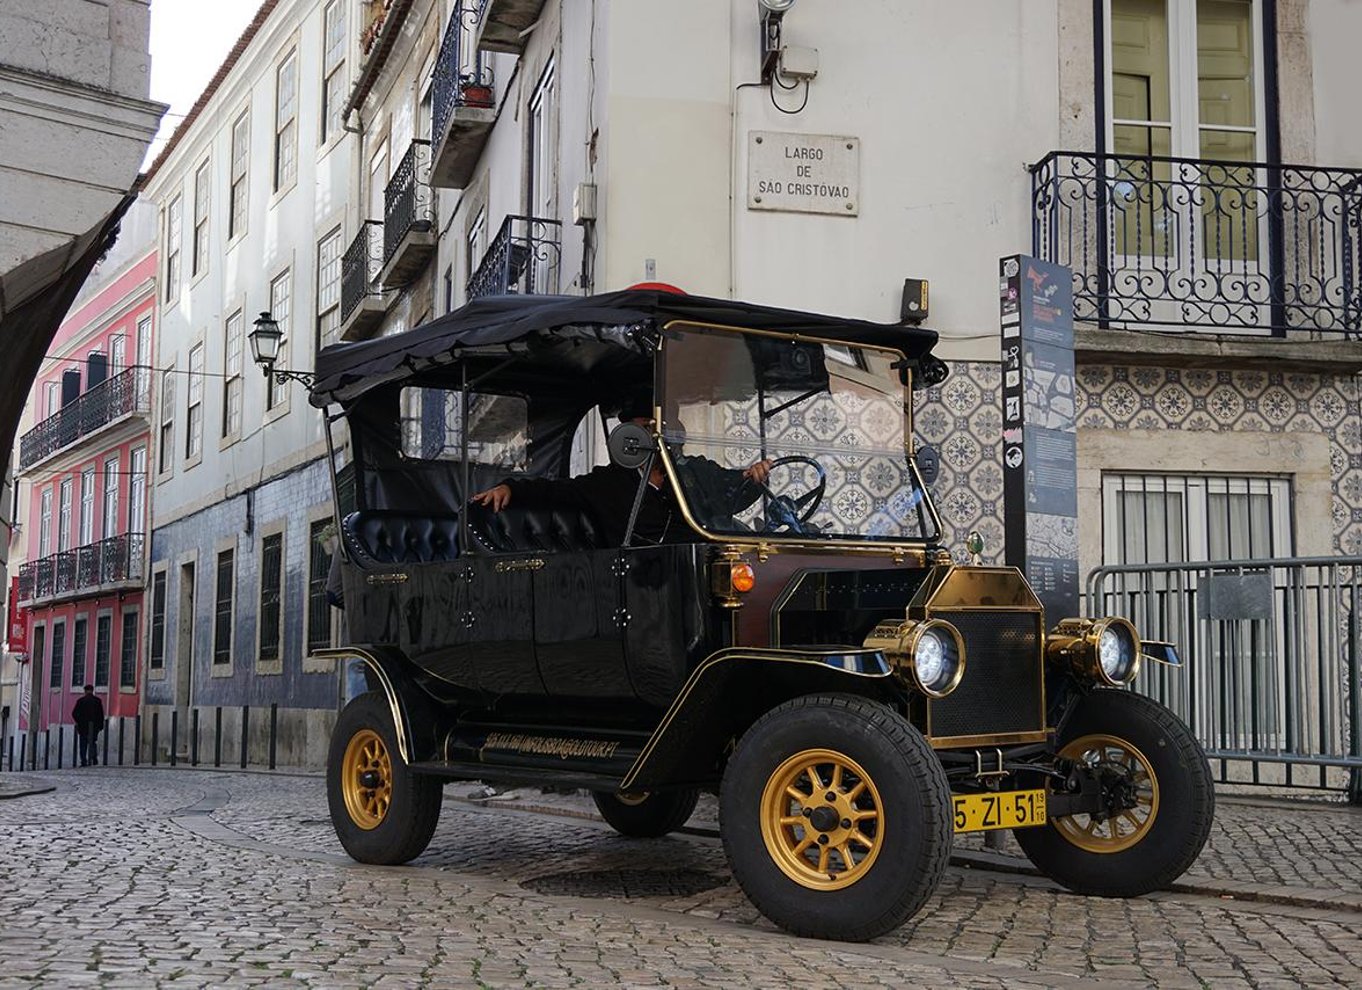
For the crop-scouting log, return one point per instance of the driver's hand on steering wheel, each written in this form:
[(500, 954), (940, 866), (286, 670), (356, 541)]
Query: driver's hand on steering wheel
[(758, 472), (495, 499)]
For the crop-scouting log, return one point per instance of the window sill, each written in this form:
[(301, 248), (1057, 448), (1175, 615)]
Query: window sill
[(282, 191), (220, 670), (319, 665), (269, 668)]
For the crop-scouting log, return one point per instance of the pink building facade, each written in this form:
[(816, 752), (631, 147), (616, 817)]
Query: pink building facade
[(81, 468)]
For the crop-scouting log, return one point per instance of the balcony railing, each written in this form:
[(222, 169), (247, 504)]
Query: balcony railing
[(462, 77), (94, 566), (407, 201), (1194, 243), (124, 393), (360, 267), (523, 259)]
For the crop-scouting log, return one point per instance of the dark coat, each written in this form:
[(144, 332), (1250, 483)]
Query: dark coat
[(89, 711), (607, 493)]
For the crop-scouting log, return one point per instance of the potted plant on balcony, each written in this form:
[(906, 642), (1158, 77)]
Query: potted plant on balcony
[(475, 91)]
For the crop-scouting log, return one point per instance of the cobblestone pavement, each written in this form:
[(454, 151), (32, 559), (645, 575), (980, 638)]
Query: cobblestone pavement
[(189, 877)]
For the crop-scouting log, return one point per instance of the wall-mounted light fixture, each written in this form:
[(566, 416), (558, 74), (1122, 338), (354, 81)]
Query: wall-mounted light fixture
[(772, 13), (265, 339)]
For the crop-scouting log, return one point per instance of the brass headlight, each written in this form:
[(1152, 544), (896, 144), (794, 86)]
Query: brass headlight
[(932, 651), (1106, 651)]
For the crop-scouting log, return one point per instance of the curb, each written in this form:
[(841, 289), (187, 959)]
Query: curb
[(8, 795)]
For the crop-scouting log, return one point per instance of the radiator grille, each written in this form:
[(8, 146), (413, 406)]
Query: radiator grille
[(1001, 689)]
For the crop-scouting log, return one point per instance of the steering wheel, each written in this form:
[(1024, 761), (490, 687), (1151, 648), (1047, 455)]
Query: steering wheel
[(789, 512)]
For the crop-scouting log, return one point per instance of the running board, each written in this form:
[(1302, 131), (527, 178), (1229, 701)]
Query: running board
[(521, 776)]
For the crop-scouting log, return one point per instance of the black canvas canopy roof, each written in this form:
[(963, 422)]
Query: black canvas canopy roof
[(345, 371)]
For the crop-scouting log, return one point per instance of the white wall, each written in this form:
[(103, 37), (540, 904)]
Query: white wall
[(1335, 30), (282, 232)]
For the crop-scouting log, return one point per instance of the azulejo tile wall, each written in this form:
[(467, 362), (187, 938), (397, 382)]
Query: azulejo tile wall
[(961, 419)]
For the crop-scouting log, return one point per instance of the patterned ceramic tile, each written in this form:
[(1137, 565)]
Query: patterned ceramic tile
[(968, 488)]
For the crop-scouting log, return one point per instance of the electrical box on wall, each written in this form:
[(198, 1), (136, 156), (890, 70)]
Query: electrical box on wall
[(914, 307), (584, 203), (796, 62)]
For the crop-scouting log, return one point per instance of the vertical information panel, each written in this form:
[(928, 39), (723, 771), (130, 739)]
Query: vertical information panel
[(1040, 462)]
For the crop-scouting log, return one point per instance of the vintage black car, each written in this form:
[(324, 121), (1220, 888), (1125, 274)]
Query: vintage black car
[(752, 599)]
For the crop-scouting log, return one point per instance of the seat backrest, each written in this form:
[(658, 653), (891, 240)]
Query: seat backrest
[(512, 529), (385, 537)]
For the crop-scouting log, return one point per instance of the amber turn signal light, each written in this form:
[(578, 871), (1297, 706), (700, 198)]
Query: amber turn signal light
[(742, 578)]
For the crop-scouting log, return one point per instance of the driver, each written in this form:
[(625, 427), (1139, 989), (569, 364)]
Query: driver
[(606, 493)]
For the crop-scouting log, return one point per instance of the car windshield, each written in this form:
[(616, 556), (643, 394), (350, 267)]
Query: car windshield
[(827, 419)]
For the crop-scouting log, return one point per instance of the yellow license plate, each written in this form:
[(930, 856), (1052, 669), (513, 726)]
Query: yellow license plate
[(1006, 809)]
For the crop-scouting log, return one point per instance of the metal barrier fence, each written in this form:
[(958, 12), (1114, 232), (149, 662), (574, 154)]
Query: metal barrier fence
[(1270, 652), (149, 742)]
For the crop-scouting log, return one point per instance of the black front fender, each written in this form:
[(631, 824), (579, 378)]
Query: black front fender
[(731, 689)]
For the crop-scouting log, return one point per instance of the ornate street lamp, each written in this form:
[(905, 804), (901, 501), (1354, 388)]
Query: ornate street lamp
[(265, 339)]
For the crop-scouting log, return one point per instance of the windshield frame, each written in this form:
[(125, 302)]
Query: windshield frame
[(675, 327)]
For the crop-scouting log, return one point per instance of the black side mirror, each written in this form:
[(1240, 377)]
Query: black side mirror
[(630, 446)]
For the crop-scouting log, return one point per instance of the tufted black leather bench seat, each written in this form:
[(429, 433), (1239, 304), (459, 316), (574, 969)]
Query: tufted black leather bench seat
[(386, 537), (546, 530)]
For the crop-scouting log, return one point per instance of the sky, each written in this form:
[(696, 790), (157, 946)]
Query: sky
[(189, 40)]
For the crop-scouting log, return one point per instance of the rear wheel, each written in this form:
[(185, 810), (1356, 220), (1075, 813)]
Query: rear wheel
[(1158, 792), (835, 816), (647, 815), (383, 813)]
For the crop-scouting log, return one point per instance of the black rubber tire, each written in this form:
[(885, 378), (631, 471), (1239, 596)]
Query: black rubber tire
[(657, 814), (917, 811), (1186, 802), (405, 830)]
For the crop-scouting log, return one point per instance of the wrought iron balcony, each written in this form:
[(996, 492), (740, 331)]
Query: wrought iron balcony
[(502, 24), (408, 218), (108, 564), (1225, 246), (463, 101), (362, 306), (124, 394), (523, 259)]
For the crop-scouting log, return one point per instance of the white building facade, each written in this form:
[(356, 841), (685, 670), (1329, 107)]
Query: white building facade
[(255, 193)]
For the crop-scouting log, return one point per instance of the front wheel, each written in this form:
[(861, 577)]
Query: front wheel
[(836, 817), (1158, 792), (383, 813), (647, 816)]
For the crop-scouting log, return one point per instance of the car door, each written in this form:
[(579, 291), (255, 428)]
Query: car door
[(578, 625)]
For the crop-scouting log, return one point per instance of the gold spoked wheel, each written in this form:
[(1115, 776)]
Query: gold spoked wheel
[(367, 779), (1128, 826), (822, 819)]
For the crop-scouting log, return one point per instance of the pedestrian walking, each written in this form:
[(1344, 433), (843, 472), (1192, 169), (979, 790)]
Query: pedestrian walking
[(89, 718)]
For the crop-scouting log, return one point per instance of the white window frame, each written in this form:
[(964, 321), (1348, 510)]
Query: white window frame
[(137, 490), (165, 440), (109, 499), (45, 523), (330, 253), (281, 308), (203, 206), (87, 506), (238, 182), (66, 488), (174, 248), (193, 427), (335, 42), (233, 387), (285, 156)]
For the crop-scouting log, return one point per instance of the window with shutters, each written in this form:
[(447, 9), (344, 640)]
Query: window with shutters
[(157, 660), (318, 569), (231, 383), (78, 648), (281, 308), (193, 441), (103, 644), (237, 194), (222, 607), (174, 233), (127, 656), (286, 122), (271, 594), (333, 71), (203, 188), (56, 664)]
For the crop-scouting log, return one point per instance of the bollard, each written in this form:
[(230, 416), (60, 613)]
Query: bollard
[(155, 735), (245, 732), (75, 745), (4, 734), (217, 737), (61, 744), (120, 740), (23, 745), (274, 727), (194, 738), (105, 761), (174, 733), (137, 740), (11, 754), (47, 748)]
